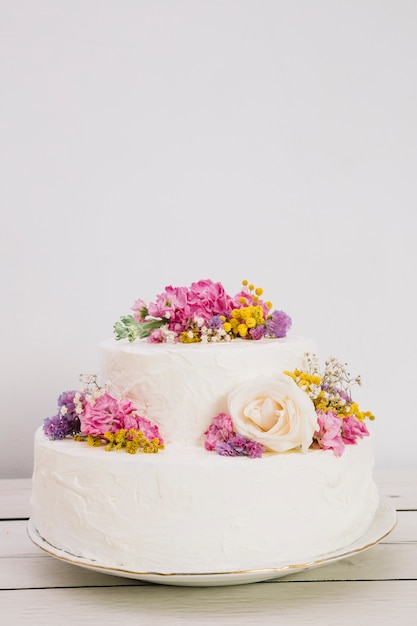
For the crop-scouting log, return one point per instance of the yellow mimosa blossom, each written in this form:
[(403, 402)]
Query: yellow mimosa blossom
[(243, 330)]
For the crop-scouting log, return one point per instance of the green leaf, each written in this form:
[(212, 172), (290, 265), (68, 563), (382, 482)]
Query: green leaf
[(129, 328)]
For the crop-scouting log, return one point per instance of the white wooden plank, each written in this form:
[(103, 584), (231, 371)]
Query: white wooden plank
[(383, 562), (400, 486), (15, 498), (342, 603), (406, 529)]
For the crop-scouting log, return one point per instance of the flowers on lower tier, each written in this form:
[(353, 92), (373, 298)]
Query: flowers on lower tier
[(203, 312), (94, 416), (221, 438), (296, 410)]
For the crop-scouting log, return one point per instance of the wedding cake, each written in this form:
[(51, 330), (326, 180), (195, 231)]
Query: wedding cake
[(210, 442)]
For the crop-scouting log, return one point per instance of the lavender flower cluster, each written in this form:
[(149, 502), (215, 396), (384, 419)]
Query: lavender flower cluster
[(66, 421)]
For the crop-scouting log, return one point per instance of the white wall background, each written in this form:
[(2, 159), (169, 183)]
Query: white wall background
[(152, 142)]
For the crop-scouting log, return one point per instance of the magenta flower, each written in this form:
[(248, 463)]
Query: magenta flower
[(150, 431), (329, 436), (106, 414), (207, 298), (352, 429), (171, 303), (221, 438), (221, 429)]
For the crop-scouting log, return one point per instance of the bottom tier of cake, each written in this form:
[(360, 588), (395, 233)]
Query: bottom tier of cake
[(187, 510)]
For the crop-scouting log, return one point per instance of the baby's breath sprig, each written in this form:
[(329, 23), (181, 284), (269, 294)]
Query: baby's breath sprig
[(89, 392), (330, 390)]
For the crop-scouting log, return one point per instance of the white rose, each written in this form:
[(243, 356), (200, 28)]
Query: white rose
[(274, 412)]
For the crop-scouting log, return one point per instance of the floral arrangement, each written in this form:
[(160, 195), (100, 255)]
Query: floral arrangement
[(203, 312), (294, 411), (94, 416)]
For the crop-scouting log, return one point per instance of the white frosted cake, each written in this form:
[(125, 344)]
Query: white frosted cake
[(243, 455)]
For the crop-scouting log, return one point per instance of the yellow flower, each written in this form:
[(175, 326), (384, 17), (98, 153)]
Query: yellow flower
[(243, 330), (227, 327)]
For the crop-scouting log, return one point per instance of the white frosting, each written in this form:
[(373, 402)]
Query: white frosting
[(191, 511), (181, 387), (187, 510)]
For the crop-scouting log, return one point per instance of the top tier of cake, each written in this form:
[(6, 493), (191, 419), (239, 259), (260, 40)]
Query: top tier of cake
[(181, 387)]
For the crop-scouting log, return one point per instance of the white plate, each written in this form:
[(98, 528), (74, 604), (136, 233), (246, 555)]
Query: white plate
[(384, 522)]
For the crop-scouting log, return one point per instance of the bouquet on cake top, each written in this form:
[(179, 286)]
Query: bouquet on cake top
[(204, 312)]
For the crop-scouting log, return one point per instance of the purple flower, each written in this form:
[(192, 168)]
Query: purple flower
[(215, 322), (58, 427), (258, 332), (254, 449), (66, 421), (278, 324), (238, 443), (221, 438), (225, 449)]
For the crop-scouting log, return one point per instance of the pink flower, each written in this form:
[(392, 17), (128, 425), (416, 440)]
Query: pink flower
[(221, 429), (352, 428), (149, 430), (105, 414), (329, 434), (169, 303), (140, 310), (207, 299)]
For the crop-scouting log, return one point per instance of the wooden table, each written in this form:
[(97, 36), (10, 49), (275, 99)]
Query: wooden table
[(378, 586)]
